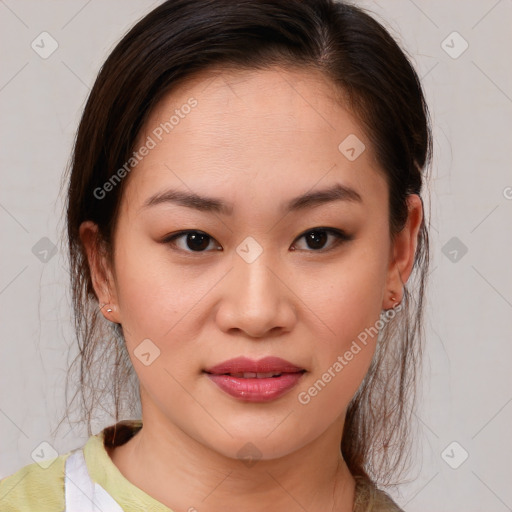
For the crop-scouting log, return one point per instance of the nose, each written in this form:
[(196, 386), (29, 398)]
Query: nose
[(256, 300)]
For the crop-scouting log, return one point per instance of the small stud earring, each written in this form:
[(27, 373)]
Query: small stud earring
[(397, 303), (393, 299), (109, 310)]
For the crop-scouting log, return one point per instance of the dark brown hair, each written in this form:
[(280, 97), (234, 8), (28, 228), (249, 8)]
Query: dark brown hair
[(380, 86)]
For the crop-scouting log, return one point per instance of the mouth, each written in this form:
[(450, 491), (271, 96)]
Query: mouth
[(255, 381)]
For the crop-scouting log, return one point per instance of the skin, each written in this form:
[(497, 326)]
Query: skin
[(256, 140)]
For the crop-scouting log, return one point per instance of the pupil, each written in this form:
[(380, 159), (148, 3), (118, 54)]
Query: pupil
[(197, 241), (317, 238)]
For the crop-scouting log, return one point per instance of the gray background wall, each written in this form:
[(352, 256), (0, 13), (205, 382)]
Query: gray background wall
[(467, 397)]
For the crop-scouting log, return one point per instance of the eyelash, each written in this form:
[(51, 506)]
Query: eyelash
[(340, 235)]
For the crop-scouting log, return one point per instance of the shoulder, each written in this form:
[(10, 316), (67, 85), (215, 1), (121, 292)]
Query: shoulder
[(35, 487), (41, 487), (368, 498)]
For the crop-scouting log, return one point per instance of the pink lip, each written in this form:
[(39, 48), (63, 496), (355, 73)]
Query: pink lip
[(254, 389), (243, 364)]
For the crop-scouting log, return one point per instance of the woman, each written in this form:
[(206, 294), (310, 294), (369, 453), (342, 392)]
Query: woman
[(244, 211)]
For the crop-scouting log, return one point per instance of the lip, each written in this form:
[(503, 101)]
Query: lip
[(255, 389), (244, 364)]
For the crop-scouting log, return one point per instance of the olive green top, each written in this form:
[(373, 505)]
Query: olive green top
[(39, 487)]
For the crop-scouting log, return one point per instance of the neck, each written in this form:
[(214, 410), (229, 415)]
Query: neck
[(184, 474)]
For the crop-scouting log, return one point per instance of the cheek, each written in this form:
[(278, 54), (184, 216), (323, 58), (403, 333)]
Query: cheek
[(350, 315), (328, 393), (348, 310), (156, 298), (346, 297)]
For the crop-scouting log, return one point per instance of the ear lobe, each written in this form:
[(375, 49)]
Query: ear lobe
[(403, 249), (101, 274)]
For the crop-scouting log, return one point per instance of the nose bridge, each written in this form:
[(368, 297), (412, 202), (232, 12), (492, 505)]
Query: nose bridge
[(255, 300), (256, 286)]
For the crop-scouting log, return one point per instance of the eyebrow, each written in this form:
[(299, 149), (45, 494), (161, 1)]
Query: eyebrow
[(337, 192)]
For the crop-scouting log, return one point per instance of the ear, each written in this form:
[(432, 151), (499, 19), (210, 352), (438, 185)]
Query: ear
[(402, 253), (102, 275)]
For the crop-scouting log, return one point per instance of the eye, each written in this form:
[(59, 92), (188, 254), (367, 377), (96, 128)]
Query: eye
[(199, 241), (316, 238), (193, 241)]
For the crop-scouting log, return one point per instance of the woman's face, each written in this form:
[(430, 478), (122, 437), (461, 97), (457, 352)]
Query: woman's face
[(263, 168)]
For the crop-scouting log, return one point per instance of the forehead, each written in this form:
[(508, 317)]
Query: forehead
[(276, 129), (281, 99)]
